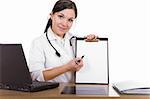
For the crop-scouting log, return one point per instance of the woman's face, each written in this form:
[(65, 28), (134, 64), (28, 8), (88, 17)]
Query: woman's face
[(62, 21)]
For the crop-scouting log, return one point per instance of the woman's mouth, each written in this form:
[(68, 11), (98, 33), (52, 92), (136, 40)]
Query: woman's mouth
[(62, 28)]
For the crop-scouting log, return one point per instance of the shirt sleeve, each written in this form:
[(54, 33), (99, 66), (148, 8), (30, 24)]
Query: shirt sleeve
[(37, 75), (36, 60)]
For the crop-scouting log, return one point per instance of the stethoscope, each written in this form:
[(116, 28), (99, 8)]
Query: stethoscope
[(56, 52)]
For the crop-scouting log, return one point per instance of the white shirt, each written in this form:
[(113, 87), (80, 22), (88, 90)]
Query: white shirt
[(42, 56)]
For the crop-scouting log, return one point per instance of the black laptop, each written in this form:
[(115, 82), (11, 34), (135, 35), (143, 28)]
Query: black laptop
[(14, 72)]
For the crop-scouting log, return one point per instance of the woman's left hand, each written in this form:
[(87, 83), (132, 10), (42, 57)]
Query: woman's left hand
[(91, 38)]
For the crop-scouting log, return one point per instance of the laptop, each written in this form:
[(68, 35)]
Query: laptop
[(14, 72)]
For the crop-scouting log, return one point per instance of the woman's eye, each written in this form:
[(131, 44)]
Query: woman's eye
[(60, 16), (70, 20)]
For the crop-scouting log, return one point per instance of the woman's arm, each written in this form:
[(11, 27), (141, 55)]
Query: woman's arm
[(56, 71)]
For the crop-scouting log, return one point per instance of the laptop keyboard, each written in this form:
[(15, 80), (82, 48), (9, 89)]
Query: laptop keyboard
[(40, 84), (36, 86)]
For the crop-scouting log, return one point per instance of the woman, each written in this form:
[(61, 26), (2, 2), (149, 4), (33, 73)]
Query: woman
[(51, 56)]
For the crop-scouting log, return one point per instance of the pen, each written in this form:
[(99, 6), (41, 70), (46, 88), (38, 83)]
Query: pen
[(80, 59)]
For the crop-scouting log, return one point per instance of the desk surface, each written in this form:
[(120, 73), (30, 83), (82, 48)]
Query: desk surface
[(56, 93)]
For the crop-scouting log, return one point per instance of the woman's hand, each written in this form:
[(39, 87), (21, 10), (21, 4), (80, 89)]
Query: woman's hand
[(75, 65), (91, 38)]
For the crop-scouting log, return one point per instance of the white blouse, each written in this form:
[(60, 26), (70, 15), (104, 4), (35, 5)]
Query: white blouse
[(42, 56)]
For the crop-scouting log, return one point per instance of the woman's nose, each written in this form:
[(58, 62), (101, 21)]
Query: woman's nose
[(65, 23)]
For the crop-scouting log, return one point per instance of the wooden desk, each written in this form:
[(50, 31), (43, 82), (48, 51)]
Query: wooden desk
[(56, 94)]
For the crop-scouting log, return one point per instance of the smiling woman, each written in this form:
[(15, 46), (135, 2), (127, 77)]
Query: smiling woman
[(125, 22), (62, 21), (51, 56)]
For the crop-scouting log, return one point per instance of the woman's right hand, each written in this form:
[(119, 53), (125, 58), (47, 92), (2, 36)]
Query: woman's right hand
[(74, 65)]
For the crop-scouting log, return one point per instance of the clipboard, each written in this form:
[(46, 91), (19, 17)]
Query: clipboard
[(95, 68)]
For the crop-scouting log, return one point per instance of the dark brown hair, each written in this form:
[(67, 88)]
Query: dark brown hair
[(59, 6)]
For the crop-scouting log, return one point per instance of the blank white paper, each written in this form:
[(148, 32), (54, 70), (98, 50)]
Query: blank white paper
[(95, 68)]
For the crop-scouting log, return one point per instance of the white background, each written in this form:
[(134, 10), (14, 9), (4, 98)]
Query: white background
[(125, 22)]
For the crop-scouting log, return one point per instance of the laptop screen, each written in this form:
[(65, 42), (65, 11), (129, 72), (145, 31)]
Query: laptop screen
[(13, 66)]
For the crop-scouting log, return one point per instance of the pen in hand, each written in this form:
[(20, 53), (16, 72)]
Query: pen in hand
[(80, 59)]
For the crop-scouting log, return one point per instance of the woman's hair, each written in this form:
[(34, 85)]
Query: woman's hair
[(59, 6)]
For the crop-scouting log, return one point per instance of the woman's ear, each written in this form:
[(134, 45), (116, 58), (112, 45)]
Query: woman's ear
[(49, 16)]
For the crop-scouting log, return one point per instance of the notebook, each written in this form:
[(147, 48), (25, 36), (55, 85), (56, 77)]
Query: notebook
[(132, 87), (14, 72)]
